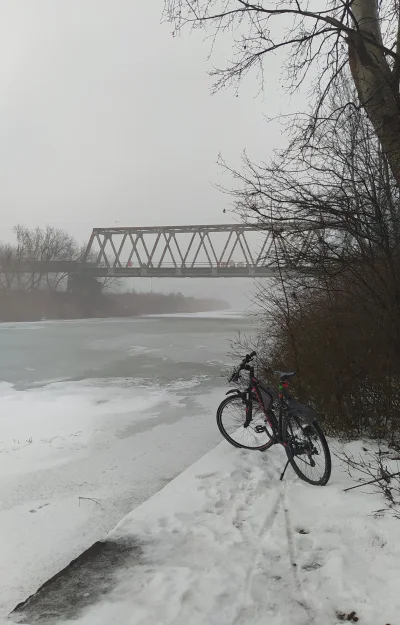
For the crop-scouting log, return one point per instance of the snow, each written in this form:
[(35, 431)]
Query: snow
[(75, 457), (50, 422), (224, 542), (227, 543)]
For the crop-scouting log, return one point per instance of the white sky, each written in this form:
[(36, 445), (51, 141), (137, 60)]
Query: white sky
[(106, 118)]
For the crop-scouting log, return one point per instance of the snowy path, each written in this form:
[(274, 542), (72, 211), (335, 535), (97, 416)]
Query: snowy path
[(226, 543)]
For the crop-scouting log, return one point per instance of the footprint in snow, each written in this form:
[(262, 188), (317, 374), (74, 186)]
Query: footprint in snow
[(351, 617), (313, 566)]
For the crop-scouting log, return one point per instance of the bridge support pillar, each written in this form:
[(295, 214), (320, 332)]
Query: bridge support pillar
[(83, 285)]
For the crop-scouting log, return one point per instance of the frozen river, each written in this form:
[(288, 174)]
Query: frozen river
[(95, 417)]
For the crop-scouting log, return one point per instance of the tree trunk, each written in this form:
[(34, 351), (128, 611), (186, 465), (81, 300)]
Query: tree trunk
[(376, 85)]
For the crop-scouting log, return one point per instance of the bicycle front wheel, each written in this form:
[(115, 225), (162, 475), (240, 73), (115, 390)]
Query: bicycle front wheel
[(307, 450), (231, 417)]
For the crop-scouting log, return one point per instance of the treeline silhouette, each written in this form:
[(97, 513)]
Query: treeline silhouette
[(35, 305)]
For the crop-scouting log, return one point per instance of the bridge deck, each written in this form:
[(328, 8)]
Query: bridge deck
[(178, 272)]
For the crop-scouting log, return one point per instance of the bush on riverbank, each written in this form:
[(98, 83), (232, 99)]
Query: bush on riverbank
[(345, 349)]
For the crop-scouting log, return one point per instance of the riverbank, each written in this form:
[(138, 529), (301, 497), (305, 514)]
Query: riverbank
[(265, 551), (37, 305)]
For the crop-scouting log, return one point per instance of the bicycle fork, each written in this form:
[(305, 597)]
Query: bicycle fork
[(249, 411)]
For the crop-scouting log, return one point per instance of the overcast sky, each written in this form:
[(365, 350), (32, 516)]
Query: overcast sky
[(106, 118)]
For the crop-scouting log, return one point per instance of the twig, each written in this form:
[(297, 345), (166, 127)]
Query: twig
[(90, 499), (378, 479)]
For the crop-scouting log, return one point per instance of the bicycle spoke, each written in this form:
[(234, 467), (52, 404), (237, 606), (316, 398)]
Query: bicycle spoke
[(309, 455), (232, 421)]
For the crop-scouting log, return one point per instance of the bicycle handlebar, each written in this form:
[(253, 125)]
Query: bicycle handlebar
[(235, 375)]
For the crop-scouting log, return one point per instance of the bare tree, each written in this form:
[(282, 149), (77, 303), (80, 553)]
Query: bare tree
[(362, 34), (10, 257), (376, 468), (337, 319), (27, 265), (338, 191), (39, 246), (109, 283)]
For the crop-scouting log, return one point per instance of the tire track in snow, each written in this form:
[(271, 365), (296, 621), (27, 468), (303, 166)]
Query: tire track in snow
[(265, 530), (295, 591), (303, 601), (242, 500)]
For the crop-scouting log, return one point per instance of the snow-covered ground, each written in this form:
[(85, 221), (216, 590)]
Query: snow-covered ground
[(227, 543), (74, 458), (95, 417), (131, 405)]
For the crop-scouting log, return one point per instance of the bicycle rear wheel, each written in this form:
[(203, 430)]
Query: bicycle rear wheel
[(307, 450), (231, 417)]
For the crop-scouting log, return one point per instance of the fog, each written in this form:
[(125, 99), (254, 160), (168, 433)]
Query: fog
[(239, 292), (106, 118)]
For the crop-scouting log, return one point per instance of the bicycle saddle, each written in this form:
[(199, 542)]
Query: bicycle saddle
[(285, 375)]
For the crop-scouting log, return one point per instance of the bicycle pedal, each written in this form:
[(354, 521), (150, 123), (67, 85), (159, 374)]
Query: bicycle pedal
[(260, 429)]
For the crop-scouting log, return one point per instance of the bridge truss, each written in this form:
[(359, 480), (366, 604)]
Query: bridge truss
[(227, 250)]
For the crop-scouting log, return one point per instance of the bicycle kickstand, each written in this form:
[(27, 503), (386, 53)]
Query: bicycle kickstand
[(284, 470)]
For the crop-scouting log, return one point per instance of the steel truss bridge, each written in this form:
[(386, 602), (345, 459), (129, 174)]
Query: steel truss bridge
[(201, 251)]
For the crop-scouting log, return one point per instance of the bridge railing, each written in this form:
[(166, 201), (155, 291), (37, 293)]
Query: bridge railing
[(131, 265)]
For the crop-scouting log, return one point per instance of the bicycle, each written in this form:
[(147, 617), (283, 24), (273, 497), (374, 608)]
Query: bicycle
[(260, 418)]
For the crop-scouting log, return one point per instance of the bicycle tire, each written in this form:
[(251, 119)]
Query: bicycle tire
[(247, 434), (307, 429)]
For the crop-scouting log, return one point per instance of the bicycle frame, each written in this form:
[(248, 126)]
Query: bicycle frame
[(254, 390)]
